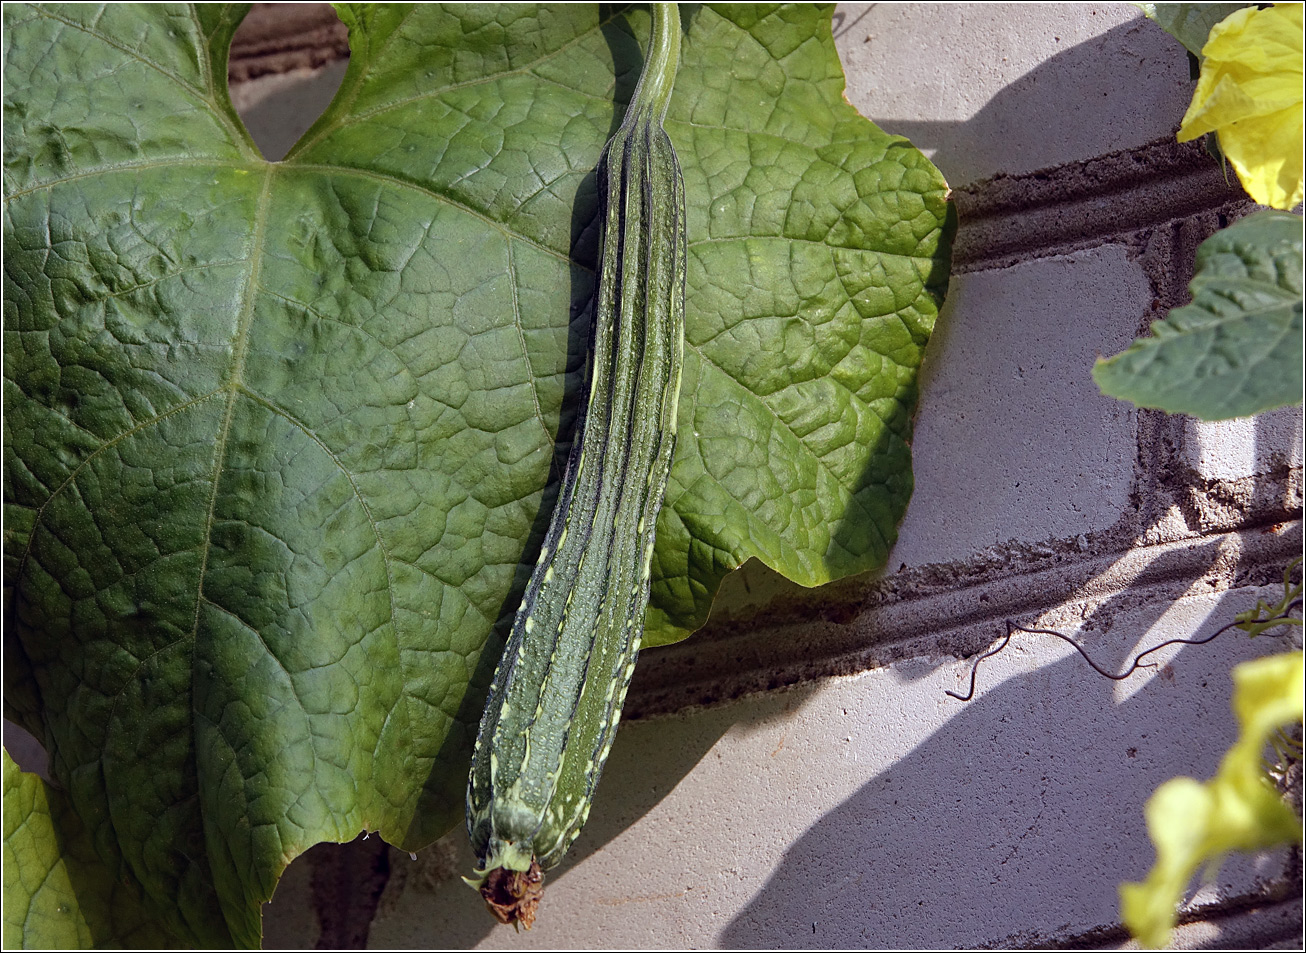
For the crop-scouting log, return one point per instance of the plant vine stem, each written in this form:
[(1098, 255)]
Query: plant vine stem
[(1013, 627), (659, 74)]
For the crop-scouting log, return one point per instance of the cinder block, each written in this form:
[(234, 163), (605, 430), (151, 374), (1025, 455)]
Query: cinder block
[(278, 108), (1013, 439), (1244, 447), (1272, 926), (1013, 87)]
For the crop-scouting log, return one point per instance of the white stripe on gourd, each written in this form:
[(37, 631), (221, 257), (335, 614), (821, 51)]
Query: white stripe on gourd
[(556, 696)]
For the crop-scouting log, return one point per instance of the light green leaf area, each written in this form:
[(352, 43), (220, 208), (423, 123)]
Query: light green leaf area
[(1192, 824), (1236, 350), (1264, 617), (282, 439), (1189, 23), (57, 894)]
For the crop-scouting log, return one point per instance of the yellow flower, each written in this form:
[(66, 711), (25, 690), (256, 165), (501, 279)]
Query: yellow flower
[(1250, 94)]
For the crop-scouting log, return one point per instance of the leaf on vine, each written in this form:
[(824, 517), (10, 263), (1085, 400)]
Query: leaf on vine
[(281, 438), (1236, 349)]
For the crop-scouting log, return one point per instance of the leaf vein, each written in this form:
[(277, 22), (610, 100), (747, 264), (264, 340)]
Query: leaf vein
[(237, 370), (521, 339), (820, 461), (72, 477), (353, 485), (250, 166), (131, 54), (441, 197)]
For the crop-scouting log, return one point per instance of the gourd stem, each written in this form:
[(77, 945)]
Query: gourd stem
[(655, 83)]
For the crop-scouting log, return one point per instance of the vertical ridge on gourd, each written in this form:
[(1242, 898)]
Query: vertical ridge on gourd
[(556, 696)]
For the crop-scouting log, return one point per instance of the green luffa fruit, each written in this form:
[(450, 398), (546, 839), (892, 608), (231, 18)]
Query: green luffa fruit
[(557, 694)]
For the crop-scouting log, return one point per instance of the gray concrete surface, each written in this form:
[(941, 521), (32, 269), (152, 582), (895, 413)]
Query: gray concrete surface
[(1234, 449), (1020, 443), (874, 810), (984, 88)]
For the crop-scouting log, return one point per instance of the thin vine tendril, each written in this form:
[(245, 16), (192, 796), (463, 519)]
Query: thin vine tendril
[(1014, 627)]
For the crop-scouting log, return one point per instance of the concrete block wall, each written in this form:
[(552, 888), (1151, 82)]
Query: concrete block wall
[(794, 775)]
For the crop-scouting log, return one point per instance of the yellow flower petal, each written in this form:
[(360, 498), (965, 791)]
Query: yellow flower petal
[(1264, 41), (1192, 824), (1265, 151), (1250, 94)]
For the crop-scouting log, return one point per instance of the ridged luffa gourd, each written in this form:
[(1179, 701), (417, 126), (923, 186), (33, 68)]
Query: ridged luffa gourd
[(556, 696)]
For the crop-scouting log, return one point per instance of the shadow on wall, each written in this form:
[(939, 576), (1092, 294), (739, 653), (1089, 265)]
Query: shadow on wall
[(1119, 89), (956, 847), (26, 751), (646, 765)]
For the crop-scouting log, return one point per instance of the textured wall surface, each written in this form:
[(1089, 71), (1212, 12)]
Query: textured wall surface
[(795, 775)]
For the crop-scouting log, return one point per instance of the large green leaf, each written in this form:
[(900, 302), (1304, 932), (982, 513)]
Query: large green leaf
[(1236, 349), (280, 437)]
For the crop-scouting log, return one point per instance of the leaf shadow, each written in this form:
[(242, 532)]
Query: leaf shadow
[(1068, 105), (1026, 807)]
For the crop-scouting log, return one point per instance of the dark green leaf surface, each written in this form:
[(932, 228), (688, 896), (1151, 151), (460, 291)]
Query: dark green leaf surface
[(1236, 349), (1189, 23), (280, 438)]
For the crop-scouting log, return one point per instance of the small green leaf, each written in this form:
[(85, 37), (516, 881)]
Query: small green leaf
[(1189, 23), (1264, 617), (57, 893), (1236, 349), (1239, 809)]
